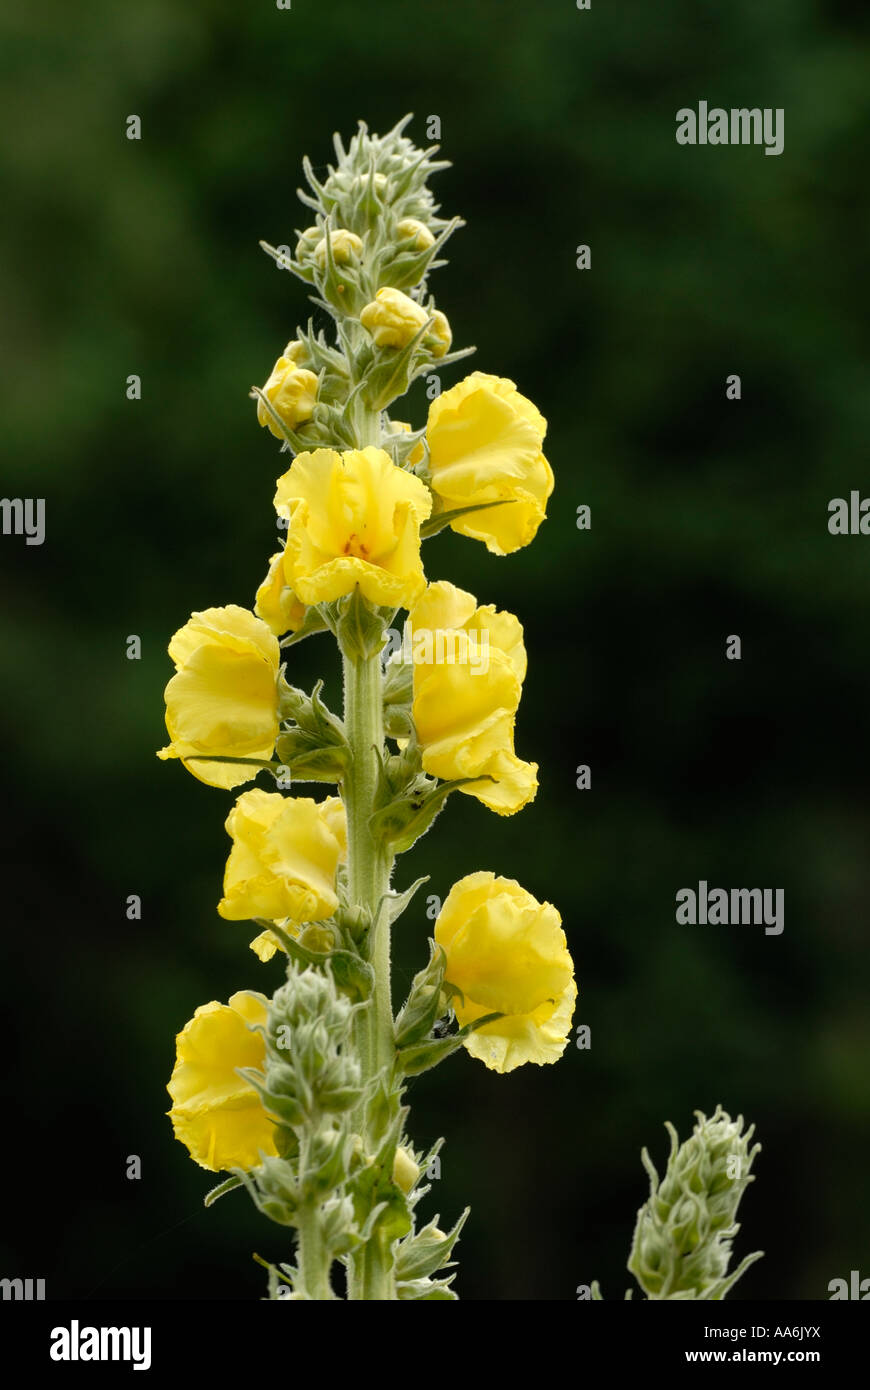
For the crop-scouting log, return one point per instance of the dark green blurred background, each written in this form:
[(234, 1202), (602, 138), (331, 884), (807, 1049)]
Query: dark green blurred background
[(708, 518)]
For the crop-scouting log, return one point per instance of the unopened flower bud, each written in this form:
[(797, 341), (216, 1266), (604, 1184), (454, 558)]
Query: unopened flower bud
[(295, 352), (292, 393), (393, 319), (417, 454), (440, 336), (405, 1170), (417, 233), (318, 938), (307, 242), (346, 246), (380, 182)]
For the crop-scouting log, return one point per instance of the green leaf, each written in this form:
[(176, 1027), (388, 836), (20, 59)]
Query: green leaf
[(359, 627), (311, 623), (423, 1056), (285, 262), (397, 902), (423, 1254), (441, 519), (417, 1015), (228, 1186), (394, 373), (401, 823), (221, 758), (427, 1290)]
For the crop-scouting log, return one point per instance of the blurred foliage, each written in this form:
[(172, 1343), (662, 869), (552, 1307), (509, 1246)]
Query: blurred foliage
[(708, 518)]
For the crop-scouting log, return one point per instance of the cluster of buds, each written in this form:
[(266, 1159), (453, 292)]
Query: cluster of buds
[(683, 1235), (308, 1085), (375, 237)]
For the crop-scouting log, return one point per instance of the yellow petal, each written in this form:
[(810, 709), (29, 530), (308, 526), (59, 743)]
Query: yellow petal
[(283, 860), (508, 954), (354, 519), (540, 1037), (216, 1113), (485, 443)]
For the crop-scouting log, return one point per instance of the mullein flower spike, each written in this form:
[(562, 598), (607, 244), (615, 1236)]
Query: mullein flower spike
[(299, 1098)]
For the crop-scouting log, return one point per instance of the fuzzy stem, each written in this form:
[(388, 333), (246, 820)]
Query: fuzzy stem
[(368, 878), (311, 1254)]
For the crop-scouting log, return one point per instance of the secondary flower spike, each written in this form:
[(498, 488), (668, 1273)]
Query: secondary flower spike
[(485, 445), (354, 519), (216, 1114), (508, 954), (685, 1229), (223, 698)]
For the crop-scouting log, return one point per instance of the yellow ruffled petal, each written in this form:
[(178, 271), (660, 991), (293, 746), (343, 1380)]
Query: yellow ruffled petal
[(485, 443), (466, 694), (265, 945), (508, 954), (223, 698), (540, 1037), (283, 860), (443, 605), (215, 1113), (514, 784), (354, 519), (276, 603)]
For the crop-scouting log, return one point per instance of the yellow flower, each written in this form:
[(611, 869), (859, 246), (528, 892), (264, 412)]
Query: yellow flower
[(417, 454), (468, 669), (346, 246), (277, 604), (292, 393), (266, 944), (485, 442), (409, 229), (316, 938), (285, 853), (508, 954), (392, 318), (223, 698), (354, 518), (215, 1113)]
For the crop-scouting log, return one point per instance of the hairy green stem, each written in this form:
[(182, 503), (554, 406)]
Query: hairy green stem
[(311, 1254), (368, 879)]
